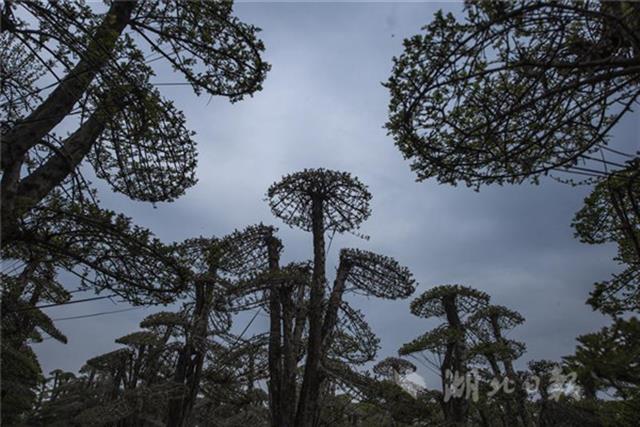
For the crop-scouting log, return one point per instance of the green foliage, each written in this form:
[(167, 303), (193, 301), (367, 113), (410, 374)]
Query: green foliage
[(165, 318), (377, 275), (21, 377), (22, 324), (105, 249), (393, 366), (369, 401), (353, 341), (466, 300), (515, 90), (599, 222), (609, 358), (435, 340), (345, 200), (141, 145), (611, 214)]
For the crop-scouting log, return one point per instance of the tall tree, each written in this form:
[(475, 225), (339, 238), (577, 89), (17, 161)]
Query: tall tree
[(322, 201), (454, 303), (378, 400), (77, 88), (490, 324), (519, 90), (23, 323), (516, 90), (87, 69), (99, 62), (611, 214), (216, 265), (394, 369), (609, 359)]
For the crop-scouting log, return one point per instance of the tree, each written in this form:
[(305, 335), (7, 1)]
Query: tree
[(377, 400), (24, 323), (320, 201), (168, 358), (608, 359), (454, 303), (216, 265), (611, 214), (525, 89), (99, 63), (394, 368), (102, 248), (516, 90), (489, 325), (72, 66), (135, 139), (137, 384), (555, 406)]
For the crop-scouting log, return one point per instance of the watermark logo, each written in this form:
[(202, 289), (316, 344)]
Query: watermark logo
[(467, 385)]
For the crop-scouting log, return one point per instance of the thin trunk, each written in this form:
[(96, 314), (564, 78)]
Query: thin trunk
[(458, 406), (191, 359), (309, 393), (289, 358), (335, 299), (521, 394), (275, 339)]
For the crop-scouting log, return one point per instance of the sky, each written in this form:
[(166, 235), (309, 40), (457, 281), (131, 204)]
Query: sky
[(323, 105)]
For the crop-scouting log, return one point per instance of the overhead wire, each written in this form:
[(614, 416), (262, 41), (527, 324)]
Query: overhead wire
[(102, 313), (38, 307)]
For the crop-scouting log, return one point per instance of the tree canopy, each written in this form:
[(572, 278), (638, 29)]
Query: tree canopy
[(515, 90), (100, 64)]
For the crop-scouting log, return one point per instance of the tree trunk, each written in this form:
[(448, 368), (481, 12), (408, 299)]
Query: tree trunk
[(275, 337), (521, 394), (22, 196), (309, 393), (18, 140), (458, 407), (28, 132), (335, 299), (191, 360)]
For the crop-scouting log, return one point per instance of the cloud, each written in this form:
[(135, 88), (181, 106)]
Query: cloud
[(323, 106)]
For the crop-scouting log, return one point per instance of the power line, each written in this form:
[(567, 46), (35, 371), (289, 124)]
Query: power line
[(78, 290), (14, 267), (225, 357), (247, 327), (84, 316), (61, 303), (331, 241), (621, 153), (171, 84)]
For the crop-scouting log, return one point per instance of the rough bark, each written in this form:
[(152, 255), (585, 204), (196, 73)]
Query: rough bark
[(456, 408), (60, 102), (19, 196), (191, 359), (335, 299), (294, 317), (521, 394), (309, 393), (275, 344), (33, 188)]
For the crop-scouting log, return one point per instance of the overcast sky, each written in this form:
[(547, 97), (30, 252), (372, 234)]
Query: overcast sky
[(323, 105)]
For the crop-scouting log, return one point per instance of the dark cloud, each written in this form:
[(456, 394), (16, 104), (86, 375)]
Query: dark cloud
[(323, 106)]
